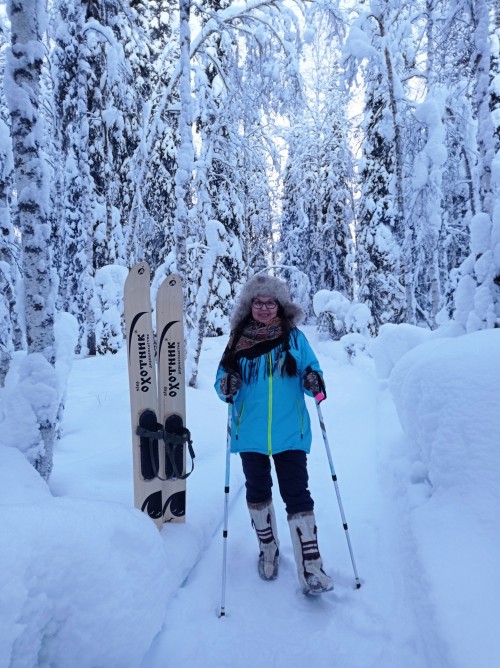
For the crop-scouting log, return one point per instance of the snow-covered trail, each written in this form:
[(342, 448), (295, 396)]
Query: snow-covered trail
[(388, 623), (384, 624)]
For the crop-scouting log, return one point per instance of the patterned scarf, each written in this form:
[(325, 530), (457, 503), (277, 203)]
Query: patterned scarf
[(256, 340), (258, 332)]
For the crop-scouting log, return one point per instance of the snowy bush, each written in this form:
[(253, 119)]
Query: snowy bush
[(354, 345), (337, 316), (109, 283)]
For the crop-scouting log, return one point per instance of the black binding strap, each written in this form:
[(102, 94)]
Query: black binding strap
[(174, 435), (150, 432), (174, 451)]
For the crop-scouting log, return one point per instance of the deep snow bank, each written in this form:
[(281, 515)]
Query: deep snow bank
[(83, 583), (447, 395)]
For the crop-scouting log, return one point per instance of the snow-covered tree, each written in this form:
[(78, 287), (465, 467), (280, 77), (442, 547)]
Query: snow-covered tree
[(185, 161), (317, 208), (112, 114), (247, 70), (451, 55), (152, 168), (426, 202), (109, 282), (74, 192), (380, 275), (375, 41), (257, 39), (8, 255), (440, 188), (98, 65), (478, 293), (22, 89)]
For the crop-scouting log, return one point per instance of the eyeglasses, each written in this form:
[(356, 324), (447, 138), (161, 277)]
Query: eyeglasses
[(269, 305)]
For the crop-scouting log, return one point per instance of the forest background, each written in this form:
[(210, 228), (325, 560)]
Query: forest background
[(354, 148)]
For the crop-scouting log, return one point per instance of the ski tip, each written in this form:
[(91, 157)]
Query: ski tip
[(140, 268)]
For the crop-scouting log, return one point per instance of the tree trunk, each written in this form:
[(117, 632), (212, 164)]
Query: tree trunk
[(186, 154), (22, 86)]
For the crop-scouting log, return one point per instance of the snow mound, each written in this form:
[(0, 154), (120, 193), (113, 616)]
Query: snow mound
[(447, 394), (83, 583), (394, 341)]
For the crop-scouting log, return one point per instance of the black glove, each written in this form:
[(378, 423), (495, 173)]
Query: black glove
[(230, 384), (314, 383)]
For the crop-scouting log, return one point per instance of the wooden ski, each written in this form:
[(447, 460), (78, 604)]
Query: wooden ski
[(172, 396), (147, 450)]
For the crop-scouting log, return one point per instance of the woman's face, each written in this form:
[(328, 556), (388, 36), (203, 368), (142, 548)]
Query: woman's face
[(264, 308)]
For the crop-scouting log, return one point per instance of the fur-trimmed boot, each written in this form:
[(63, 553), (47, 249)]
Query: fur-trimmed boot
[(264, 523), (312, 577)]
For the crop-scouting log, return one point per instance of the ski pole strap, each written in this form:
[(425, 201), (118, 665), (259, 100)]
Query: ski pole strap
[(174, 444)]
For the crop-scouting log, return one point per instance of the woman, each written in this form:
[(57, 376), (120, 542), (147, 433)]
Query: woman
[(267, 366)]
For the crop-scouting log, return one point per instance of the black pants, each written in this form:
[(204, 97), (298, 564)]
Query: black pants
[(291, 471)]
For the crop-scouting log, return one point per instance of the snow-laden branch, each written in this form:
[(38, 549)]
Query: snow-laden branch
[(213, 26)]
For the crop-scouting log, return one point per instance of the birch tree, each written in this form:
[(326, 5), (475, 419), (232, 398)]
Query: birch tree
[(8, 256), (22, 88), (186, 150)]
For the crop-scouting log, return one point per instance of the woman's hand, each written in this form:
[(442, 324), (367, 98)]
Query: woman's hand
[(313, 382), (230, 384)]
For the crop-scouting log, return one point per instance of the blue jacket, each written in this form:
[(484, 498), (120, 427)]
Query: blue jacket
[(270, 414)]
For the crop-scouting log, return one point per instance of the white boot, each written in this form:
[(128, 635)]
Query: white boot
[(312, 577), (264, 522)]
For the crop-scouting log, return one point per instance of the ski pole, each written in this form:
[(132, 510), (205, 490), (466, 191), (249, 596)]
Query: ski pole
[(318, 399), (226, 506)]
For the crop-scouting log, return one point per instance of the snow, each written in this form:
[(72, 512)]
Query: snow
[(89, 581), (447, 395), (358, 44), (68, 562), (30, 395), (480, 233)]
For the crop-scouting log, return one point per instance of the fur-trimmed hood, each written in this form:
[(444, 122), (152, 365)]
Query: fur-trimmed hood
[(265, 286)]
